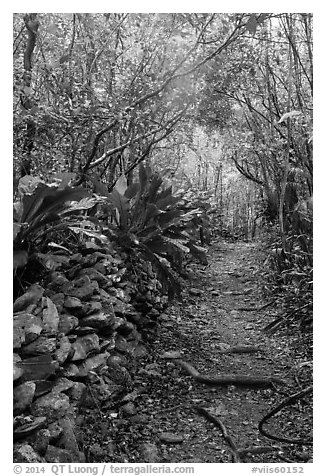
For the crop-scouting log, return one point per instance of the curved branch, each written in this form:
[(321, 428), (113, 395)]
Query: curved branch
[(169, 124), (251, 109), (246, 173), (96, 143)]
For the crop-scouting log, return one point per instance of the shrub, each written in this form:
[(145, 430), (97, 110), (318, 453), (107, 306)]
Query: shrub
[(148, 219), (36, 213)]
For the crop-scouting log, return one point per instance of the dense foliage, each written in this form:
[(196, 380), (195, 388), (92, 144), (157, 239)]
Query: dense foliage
[(219, 106)]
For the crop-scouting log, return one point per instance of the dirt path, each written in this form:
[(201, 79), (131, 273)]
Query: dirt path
[(201, 327)]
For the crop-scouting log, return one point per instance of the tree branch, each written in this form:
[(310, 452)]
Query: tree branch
[(170, 123)]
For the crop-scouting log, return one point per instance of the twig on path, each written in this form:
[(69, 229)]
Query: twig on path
[(226, 436), (293, 398)]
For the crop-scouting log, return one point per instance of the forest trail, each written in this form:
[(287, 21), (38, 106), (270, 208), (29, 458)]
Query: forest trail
[(202, 327)]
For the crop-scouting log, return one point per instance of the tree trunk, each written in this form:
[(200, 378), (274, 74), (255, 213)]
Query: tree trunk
[(287, 153), (32, 25)]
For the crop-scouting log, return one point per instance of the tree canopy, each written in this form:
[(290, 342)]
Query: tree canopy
[(220, 103)]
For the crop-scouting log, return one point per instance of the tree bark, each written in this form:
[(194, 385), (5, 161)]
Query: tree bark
[(287, 153), (31, 24)]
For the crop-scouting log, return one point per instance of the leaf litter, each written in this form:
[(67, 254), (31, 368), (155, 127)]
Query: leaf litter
[(200, 331)]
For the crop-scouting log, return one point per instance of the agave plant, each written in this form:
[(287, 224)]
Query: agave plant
[(34, 215)]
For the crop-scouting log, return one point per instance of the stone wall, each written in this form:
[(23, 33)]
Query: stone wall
[(76, 335)]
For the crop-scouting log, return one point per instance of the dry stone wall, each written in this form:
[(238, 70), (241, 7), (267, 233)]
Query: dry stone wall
[(76, 336)]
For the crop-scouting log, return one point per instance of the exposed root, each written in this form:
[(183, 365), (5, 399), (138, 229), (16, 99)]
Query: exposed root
[(233, 449), (293, 398), (230, 379)]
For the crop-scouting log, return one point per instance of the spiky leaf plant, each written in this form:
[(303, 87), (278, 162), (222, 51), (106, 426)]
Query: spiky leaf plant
[(38, 212), (150, 220)]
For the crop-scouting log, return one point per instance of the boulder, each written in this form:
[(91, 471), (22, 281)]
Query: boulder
[(108, 343), (63, 384), (42, 387), (90, 308), (126, 328), (53, 406), (28, 426), (96, 394), (70, 371), (134, 335), (50, 317), (95, 275), (42, 441), (85, 345), (67, 323), (148, 453), (60, 455), (42, 345), (55, 431), (71, 273), (26, 329), (133, 316), (23, 396), (76, 258), (58, 300), (119, 307), (63, 351), (31, 309), (76, 393), (17, 371), (123, 346), (32, 296), (72, 303), (99, 266), (92, 363), (24, 453), (91, 259), (57, 279), (82, 331), (99, 320), (86, 291), (118, 373), (37, 368), (81, 281), (68, 439)]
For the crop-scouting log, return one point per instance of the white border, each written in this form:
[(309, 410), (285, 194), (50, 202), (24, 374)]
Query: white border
[(167, 6)]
